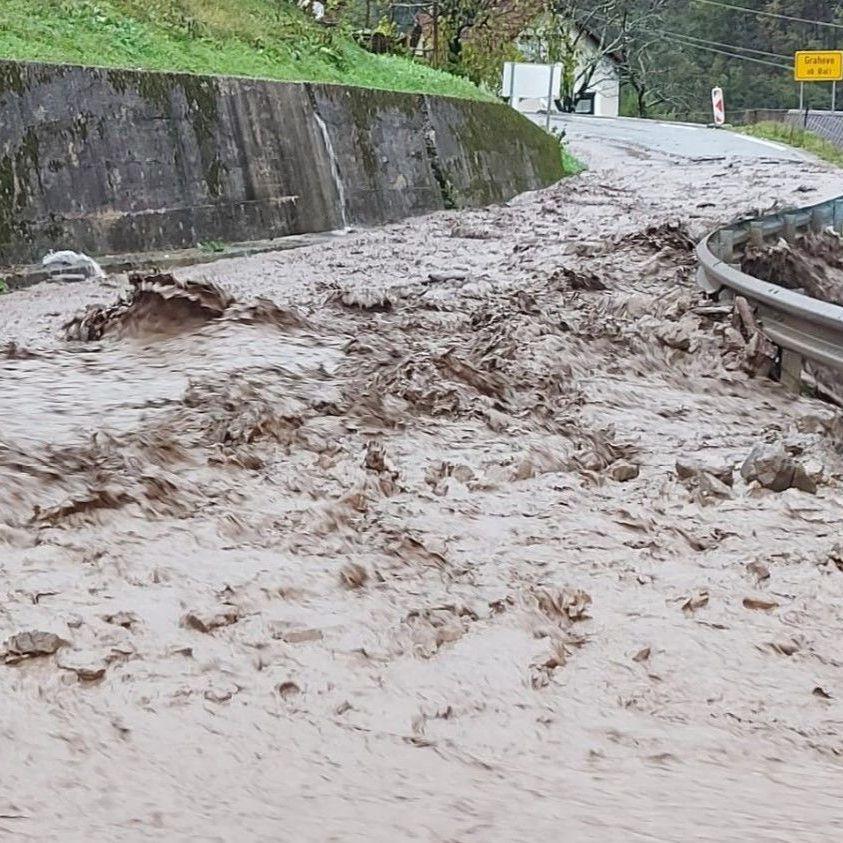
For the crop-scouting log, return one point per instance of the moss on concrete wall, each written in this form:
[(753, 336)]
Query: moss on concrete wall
[(114, 160)]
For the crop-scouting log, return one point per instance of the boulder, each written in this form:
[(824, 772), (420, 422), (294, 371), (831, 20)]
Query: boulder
[(770, 466), (623, 471), (808, 475), (688, 467), (773, 468)]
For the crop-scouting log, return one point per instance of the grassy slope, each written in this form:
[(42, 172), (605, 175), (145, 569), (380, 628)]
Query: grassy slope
[(571, 165), (794, 136), (270, 39)]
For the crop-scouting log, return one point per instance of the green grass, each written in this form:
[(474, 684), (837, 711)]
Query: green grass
[(795, 136), (211, 247), (571, 165), (268, 39)]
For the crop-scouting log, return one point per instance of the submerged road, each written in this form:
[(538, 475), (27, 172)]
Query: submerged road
[(681, 139), (386, 539)]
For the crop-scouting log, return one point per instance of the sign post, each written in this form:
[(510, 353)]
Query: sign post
[(818, 66), (718, 107)]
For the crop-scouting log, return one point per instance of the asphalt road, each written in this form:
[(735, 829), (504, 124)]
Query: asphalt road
[(672, 138)]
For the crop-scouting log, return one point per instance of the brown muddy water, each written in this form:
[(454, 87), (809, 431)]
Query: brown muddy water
[(385, 539)]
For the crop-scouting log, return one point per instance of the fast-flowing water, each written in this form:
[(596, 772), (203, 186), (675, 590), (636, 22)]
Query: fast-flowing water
[(385, 540)]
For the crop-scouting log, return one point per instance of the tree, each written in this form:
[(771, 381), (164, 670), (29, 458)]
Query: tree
[(479, 33), (668, 54), (585, 35), (750, 56)]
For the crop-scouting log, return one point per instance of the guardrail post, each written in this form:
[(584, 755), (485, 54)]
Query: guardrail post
[(837, 216), (791, 370), (756, 234), (704, 283), (726, 245), (790, 227)]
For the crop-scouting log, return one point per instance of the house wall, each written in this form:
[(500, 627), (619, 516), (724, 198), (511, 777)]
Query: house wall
[(605, 83), (530, 91)]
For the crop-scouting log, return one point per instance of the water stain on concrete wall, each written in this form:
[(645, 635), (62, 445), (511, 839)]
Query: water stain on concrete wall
[(111, 161)]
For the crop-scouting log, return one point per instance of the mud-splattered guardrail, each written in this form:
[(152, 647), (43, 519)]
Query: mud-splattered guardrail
[(803, 327)]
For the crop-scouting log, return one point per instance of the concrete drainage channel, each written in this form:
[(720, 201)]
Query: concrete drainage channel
[(19, 278), (804, 328)]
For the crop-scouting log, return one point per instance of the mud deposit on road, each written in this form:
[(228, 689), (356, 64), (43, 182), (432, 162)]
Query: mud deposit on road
[(436, 533)]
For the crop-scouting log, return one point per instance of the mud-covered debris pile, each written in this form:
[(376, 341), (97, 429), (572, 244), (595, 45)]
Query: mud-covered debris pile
[(812, 264), (155, 304), (668, 240), (30, 645)]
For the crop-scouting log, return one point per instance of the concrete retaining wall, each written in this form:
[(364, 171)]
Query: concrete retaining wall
[(110, 161)]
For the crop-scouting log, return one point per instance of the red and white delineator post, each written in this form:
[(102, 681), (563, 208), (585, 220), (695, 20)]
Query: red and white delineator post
[(718, 107)]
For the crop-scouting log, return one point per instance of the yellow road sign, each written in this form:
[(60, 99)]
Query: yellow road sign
[(818, 66)]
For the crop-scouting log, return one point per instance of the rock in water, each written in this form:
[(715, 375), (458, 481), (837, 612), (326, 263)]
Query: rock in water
[(770, 466), (27, 645), (623, 471), (774, 469), (807, 476), (690, 467)]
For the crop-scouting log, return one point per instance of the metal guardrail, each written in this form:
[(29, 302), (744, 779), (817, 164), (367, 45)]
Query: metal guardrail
[(802, 326)]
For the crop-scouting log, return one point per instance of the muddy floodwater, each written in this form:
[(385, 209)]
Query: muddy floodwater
[(437, 532)]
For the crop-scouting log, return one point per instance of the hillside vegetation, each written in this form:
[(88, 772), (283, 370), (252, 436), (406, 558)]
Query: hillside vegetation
[(795, 136), (269, 39)]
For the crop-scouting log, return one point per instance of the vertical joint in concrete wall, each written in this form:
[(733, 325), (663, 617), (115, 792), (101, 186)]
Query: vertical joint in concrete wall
[(445, 188)]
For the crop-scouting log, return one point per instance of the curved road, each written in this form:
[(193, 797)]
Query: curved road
[(683, 139)]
